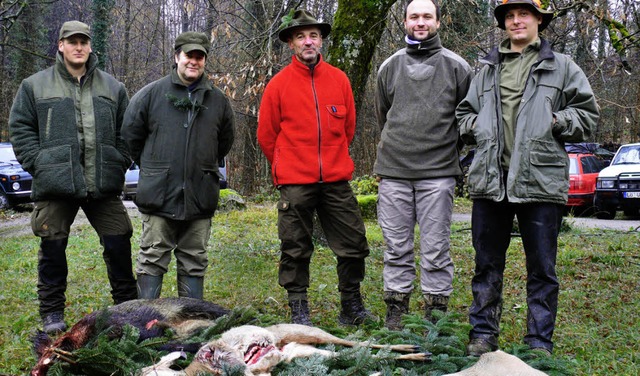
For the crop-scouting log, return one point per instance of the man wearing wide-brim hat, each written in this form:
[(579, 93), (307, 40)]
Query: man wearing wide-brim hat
[(178, 128), (521, 108), (306, 122)]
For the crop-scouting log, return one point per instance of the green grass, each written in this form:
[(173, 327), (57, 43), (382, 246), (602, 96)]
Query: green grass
[(597, 332)]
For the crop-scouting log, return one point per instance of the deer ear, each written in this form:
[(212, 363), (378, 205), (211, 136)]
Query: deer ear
[(41, 341)]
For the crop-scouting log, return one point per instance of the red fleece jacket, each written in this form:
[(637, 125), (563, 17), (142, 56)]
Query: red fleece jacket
[(306, 123)]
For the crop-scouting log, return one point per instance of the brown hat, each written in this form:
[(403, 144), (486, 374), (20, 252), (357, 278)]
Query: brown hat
[(192, 41), (301, 18), (70, 28), (501, 10)]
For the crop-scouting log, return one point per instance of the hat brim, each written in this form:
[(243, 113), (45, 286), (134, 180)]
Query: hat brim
[(501, 10), (186, 48), (285, 33), (72, 33)]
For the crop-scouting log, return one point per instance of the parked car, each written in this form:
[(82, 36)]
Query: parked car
[(133, 173), (583, 173), (130, 182), (618, 186), (15, 183)]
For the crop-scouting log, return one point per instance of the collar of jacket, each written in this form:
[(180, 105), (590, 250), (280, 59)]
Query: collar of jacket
[(493, 58), (92, 64), (204, 83), (298, 65), (428, 47)]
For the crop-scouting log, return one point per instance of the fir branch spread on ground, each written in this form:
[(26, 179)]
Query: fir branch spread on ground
[(126, 355)]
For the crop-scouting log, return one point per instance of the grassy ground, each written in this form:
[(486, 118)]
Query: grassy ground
[(598, 329)]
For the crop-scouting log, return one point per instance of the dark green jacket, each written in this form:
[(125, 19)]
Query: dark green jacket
[(178, 137), (66, 133), (539, 167)]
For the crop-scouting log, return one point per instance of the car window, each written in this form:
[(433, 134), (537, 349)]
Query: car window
[(590, 165), (629, 155), (573, 166)]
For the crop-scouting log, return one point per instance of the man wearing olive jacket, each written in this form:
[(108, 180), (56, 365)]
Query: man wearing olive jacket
[(178, 128), (65, 129), (524, 104)]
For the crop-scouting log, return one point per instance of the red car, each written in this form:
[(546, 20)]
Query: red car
[(583, 173)]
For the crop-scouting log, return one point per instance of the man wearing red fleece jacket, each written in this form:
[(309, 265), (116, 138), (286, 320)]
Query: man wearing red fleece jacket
[(306, 123)]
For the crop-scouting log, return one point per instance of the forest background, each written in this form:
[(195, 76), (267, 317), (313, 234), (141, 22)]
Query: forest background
[(134, 42)]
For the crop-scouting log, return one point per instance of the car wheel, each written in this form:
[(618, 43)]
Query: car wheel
[(605, 213), (4, 201)]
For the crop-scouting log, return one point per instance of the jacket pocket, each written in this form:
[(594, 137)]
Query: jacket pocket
[(336, 117), (208, 191), (548, 176), (110, 170), (152, 186), (484, 172), (54, 172)]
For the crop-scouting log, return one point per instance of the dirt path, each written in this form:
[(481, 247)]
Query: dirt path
[(17, 222)]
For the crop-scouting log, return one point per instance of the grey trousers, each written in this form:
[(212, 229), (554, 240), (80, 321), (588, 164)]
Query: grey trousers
[(429, 203)]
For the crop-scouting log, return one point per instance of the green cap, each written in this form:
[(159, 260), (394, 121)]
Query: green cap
[(192, 41), (70, 28)]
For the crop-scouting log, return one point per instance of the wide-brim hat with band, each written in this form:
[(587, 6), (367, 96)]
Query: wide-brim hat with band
[(501, 10), (301, 18), (70, 28)]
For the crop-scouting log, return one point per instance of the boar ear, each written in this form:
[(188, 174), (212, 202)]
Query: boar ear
[(41, 341)]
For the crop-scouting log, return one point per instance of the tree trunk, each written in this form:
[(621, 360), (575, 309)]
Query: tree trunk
[(355, 40)]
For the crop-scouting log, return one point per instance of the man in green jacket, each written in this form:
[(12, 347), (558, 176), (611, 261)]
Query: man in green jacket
[(65, 129), (524, 104), (178, 129)]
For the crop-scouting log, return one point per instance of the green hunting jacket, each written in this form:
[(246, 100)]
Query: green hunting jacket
[(178, 137), (539, 168), (66, 133)]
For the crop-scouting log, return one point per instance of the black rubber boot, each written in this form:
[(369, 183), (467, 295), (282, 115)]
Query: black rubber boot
[(52, 276), (300, 312), (397, 305), (190, 287), (353, 311), (117, 257), (432, 303), (149, 286)]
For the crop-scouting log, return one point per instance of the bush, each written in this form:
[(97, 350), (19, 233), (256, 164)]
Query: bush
[(365, 185), (368, 206)]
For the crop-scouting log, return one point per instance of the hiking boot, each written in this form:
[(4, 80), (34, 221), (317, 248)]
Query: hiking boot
[(53, 323), (300, 312), (479, 346), (353, 312), (397, 305), (434, 302)]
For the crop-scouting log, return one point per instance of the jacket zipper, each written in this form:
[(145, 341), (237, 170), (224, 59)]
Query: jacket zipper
[(318, 120)]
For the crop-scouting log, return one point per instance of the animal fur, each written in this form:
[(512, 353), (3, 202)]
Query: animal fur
[(499, 363), (151, 317), (258, 350)]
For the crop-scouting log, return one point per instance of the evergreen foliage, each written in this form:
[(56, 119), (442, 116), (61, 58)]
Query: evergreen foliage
[(101, 29)]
